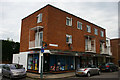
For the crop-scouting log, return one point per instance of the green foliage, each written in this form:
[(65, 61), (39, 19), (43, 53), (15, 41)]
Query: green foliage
[(8, 49)]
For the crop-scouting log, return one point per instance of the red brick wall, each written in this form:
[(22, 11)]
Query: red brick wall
[(30, 22), (58, 29), (55, 30), (115, 49)]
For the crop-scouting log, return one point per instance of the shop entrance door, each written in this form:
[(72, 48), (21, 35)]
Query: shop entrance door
[(46, 63), (95, 61), (77, 62)]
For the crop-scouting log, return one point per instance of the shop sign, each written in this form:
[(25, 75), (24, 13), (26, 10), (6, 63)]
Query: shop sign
[(55, 45), (42, 50), (34, 51)]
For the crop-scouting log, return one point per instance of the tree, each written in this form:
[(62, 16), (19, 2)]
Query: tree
[(8, 49)]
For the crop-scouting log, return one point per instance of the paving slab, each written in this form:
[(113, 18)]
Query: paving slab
[(60, 75)]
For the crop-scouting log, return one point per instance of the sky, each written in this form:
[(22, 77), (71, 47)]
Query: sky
[(103, 14)]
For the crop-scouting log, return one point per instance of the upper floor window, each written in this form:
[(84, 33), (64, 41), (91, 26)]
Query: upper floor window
[(79, 25), (39, 18), (69, 38), (102, 33), (68, 21), (88, 29), (96, 31), (38, 38)]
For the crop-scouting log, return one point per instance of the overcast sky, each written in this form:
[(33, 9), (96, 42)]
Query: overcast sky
[(104, 14)]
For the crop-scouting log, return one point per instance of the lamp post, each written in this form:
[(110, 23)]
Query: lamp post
[(41, 74), (42, 50)]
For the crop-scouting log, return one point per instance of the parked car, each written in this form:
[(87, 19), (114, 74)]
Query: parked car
[(88, 71), (13, 71), (1, 68), (108, 67)]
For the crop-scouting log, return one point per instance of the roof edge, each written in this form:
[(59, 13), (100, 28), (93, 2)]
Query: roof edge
[(65, 12)]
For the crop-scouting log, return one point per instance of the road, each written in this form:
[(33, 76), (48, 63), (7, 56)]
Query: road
[(103, 76)]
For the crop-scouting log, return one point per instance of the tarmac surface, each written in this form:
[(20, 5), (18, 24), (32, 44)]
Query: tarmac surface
[(70, 76)]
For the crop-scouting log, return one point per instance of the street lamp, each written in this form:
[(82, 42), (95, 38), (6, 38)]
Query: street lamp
[(42, 50)]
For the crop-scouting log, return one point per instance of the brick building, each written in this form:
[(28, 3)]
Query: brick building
[(115, 48), (70, 42)]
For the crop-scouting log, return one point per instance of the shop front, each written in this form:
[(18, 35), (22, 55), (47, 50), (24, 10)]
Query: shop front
[(61, 63), (52, 62), (58, 61)]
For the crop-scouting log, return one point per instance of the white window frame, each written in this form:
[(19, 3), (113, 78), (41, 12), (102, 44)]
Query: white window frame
[(96, 31), (88, 28), (70, 21), (38, 41), (39, 18), (70, 39), (79, 25), (102, 33)]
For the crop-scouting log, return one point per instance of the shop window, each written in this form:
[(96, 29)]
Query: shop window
[(61, 63), (33, 61)]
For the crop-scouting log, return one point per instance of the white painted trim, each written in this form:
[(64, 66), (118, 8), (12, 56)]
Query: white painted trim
[(89, 28), (70, 38), (39, 17), (95, 31), (55, 45), (70, 23), (35, 28), (40, 62), (78, 22)]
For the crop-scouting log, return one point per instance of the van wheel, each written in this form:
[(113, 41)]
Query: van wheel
[(88, 74)]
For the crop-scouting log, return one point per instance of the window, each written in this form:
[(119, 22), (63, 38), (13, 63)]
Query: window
[(86, 44), (96, 31), (79, 25), (39, 18), (102, 33), (88, 29), (68, 38), (38, 38), (68, 21)]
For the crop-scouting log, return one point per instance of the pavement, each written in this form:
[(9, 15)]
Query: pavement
[(50, 75)]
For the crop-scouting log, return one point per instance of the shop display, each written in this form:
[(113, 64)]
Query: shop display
[(62, 63), (33, 63)]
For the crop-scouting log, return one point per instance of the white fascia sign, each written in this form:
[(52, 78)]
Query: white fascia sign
[(55, 45)]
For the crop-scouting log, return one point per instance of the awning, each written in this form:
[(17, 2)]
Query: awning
[(75, 53), (37, 27), (90, 36)]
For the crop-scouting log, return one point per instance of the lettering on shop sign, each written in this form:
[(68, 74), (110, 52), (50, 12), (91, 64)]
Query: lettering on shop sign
[(55, 45)]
